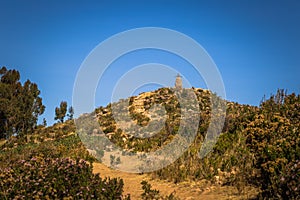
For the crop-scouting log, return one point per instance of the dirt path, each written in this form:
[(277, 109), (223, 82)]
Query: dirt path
[(186, 190)]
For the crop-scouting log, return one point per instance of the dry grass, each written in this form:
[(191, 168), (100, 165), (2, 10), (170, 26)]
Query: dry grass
[(2, 142)]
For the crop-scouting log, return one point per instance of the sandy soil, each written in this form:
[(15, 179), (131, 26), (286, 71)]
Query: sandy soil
[(185, 190)]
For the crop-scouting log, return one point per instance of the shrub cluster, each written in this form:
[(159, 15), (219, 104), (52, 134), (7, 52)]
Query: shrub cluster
[(273, 137), (70, 146), (45, 178)]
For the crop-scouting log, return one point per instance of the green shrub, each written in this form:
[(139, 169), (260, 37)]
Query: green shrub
[(153, 194), (149, 194)]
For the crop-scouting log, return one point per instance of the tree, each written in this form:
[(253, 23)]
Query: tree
[(20, 105), (44, 122), (71, 113), (60, 112)]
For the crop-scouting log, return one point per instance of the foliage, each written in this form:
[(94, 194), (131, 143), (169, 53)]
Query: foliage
[(44, 122), (56, 179), (153, 194), (114, 161), (69, 146), (60, 112), (162, 96), (54, 166), (149, 193), (20, 105), (273, 137), (54, 141), (70, 113), (258, 145), (289, 181)]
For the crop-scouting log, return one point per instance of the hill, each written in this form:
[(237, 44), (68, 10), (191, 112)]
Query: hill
[(256, 156)]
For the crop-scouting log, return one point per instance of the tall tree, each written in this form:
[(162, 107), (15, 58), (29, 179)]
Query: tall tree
[(60, 112), (20, 105)]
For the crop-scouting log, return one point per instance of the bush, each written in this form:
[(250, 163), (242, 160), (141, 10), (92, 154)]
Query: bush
[(69, 146), (153, 194), (56, 179)]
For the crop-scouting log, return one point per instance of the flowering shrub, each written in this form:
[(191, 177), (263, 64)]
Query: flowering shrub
[(70, 146), (56, 179)]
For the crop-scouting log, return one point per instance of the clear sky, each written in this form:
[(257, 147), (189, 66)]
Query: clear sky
[(255, 44)]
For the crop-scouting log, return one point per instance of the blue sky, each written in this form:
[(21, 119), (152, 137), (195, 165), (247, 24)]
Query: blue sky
[(255, 44)]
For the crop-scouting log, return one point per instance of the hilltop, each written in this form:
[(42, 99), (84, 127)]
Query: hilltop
[(256, 156)]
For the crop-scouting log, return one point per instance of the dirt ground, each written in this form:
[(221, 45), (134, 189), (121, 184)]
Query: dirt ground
[(185, 190)]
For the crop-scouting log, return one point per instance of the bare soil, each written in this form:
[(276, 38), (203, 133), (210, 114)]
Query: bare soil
[(184, 190)]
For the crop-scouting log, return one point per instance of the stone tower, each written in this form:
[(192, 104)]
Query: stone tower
[(178, 82)]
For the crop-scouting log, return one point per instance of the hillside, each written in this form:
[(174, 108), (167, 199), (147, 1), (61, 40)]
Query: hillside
[(256, 156)]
